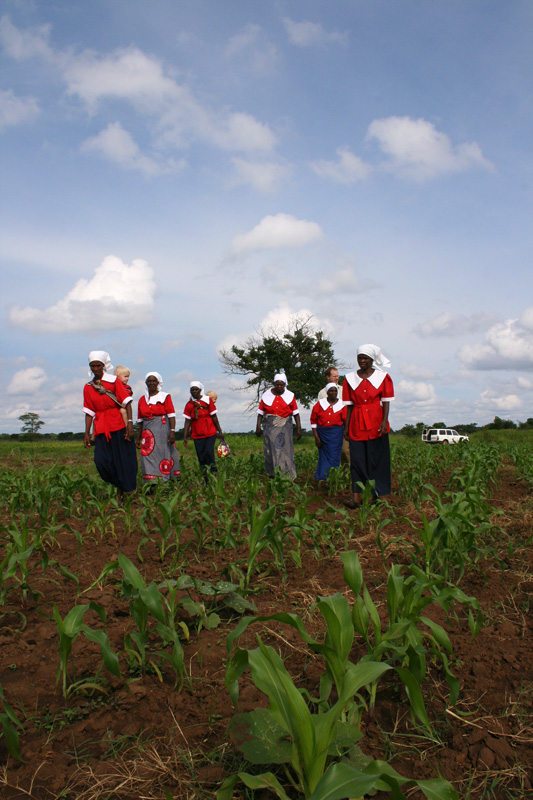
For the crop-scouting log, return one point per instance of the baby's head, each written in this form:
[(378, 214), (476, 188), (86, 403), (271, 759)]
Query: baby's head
[(213, 395), (123, 374)]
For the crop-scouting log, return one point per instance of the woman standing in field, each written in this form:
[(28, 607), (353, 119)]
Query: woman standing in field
[(327, 424), (157, 433), (367, 394), (201, 423), (114, 451), (276, 410)]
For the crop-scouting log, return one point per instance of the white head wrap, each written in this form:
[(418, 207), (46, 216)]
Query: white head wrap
[(280, 376), (159, 382), (332, 386), (374, 352), (198, 386), (103, 358)]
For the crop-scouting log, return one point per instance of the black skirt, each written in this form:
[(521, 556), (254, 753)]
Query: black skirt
[(116, 460), (370, 461)]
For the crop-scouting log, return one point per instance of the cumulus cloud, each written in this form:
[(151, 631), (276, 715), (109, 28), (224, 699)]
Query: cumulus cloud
[(307, 34), (276, 231), (117, 296), (344, 281), (348, 169), (448, 324), (265, 176), (417, 150), (128, 74), (251, 44), (116, 144), (416, 392), (27, 381), (500, 402), (507, 345), (279, 318), (16, 110)]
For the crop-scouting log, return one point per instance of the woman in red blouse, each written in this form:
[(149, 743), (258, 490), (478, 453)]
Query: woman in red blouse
[(276, 410), (157, 433), (201, 423), (327, 423), (367, 394), (114, 451)]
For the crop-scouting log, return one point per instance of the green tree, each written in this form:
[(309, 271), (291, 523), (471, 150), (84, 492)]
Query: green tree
[(31, 422), (300, 351)]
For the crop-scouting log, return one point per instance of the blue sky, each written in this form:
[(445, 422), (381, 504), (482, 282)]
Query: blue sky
[(177, 175)]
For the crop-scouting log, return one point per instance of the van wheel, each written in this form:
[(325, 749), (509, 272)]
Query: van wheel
[(445, 441)]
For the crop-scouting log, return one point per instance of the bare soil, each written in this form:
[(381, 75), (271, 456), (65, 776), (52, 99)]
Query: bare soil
[(145, 739)]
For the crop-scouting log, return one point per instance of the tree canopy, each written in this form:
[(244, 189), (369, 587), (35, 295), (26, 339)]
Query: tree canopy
[(31, 422), (300, 351)]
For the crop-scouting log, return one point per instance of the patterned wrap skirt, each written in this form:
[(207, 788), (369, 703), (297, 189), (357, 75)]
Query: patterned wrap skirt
[(159, 459), (278, 445)]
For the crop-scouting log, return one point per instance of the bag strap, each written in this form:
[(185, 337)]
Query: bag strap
[(100, 389)]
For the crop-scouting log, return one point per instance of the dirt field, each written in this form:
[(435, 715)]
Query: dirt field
[(143, 738)]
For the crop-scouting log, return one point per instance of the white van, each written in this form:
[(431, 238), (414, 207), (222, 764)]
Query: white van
[(443, 435)]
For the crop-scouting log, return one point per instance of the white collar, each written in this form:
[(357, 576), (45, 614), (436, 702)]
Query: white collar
[(203, 399), (338, 406), (376, 379), (107, 377), (155, 398), (269, 397)]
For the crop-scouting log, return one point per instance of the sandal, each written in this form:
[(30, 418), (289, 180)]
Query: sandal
[(350, 503)]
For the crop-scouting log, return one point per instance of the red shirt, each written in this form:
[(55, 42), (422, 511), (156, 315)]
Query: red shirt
[(107, 417), (366, 395), (328, 417), (280, 405), (203, 426), (161, 408)]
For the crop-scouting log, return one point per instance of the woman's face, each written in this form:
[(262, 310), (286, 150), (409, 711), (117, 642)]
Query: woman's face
[(196, 392), (97, 369), (364, 361), (279, 387), (151, 384), (332, 394)]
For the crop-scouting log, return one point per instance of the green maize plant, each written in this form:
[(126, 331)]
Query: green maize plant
[(166, 519), (10, 723), (313, 748), (23, 555), (68, 630)]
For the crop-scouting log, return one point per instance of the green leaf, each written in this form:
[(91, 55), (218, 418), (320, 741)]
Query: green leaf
[(260, 738), (131, 573)]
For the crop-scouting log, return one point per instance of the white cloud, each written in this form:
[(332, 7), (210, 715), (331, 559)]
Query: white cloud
[(344, 281), (507, 345), (16, 110), (116, 145), (416, 392), (418, 151), (500, 402), (276, 231), (27, 381), (117, 296), (21, 45), (448, 324), (265, 176), (417, 373), (348, 169), (251, 44), (306, 34), (278, 319)]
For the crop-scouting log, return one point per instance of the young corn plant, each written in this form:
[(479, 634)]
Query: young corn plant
[(312, 748), (68, 630), (10, 722)]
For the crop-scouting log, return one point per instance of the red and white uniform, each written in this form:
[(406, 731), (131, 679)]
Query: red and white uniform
[(325, 415), (280, 405), (158, 405), (203, 426), (106, 413), (366, 395)]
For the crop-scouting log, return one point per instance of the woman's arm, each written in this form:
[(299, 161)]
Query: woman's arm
[(87, 436), (214, 417), (186, 432), (318, 440), (298, 426), (258, 430), (139, 434), (384, 422), (349, 410)]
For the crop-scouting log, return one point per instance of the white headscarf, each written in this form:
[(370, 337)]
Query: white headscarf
[(280, 376), (198, 385), (374, 352), (159, 382), (103, 358), (332, 386)]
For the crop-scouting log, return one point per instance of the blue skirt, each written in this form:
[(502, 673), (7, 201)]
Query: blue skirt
[(116, 460), (329, 455)]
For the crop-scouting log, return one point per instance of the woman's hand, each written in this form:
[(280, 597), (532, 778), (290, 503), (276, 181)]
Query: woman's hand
[(138, 444), (87, 441), (129, 432), (258, 431), (185, 442), (172, 437), (382, 430)]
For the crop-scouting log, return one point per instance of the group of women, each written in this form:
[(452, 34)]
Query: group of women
[(360, 416)]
